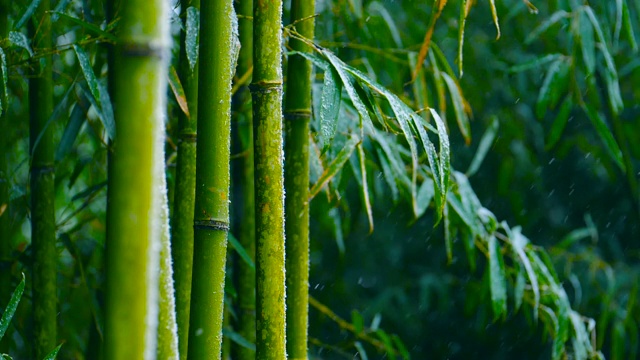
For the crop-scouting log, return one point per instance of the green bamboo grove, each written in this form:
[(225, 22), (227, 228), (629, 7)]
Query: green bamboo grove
[(297, 114), (134, 213), (266, 89), (219, 48), (42, 190)]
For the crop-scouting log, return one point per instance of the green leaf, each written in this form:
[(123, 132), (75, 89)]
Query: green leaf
[(57, 112), (10, 310), (483, 148), (27, 14), (497, 279), (19, 39), (335, 166), (191, 36), (553, 86), (519, 242), (357, 321), (106, 117), (402, 349), (584, 33), (53, 354), (4, 93), (424, 196), (389, 176), (518, 293), (178, 91), (87, 70), (553, 19), (580, 342), (618, 341), (386, 340), (71, 131), (470, 248), (445, 153), (329, 108), (89, 191), (494, 16), (432, 158), (560, 122), (458, 107), (235, 244), (605, 135), (87, 26), (461, 25), (60, 7), (365, 187), (361, 351), (627, 27), (449, 234), (536, 62), (238, 339)]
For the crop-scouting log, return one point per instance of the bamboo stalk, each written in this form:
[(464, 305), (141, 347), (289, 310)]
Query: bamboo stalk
[(245, 275), (43, 238), (134, 198), (269, 191), (183, 208), (5, 241), (218, 53), (297, 114)]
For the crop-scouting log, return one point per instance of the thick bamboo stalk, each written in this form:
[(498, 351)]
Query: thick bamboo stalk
[(184, 198), (266, 89), (218, 53), (245, 275), (43, 238), (297, 114), (133, 209)]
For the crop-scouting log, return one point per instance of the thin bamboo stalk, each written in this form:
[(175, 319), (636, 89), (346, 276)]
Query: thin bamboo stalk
[(134, 199), (184, 199), (266, 89), (245, 275), (43, 238), (297, 114), (218, 53)]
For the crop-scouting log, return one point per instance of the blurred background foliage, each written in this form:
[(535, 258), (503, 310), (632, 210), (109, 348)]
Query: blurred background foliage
[(554, 97)]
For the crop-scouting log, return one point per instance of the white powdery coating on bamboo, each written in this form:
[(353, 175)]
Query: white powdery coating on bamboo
[(162, 42)]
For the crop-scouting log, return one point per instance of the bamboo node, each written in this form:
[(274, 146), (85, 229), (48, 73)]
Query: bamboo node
[(188, 137), (297, 114), (211, 225), (133, 49), (265, 86)]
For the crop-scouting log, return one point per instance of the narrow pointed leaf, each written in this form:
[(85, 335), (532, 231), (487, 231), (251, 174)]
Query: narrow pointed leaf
[(4, 95), (60, 7), (518, 242), (178, 91), (87, 26), (445, 152), (241, 251), (605, 135), (554, 84), (553, 19), (365, 187), (53, 354), (19, 39), (497, 279), (518, 292), (627, 27), (71, 131), (335, 166), (483, 148), (560, 122), (27, 14), (537, 62), (587, 42), (191, 36), (329, 108), (459, 107), (461, 25), (389, 176), (238, 339), (494, 15), (10, 310), (425, 194), (87, 70)]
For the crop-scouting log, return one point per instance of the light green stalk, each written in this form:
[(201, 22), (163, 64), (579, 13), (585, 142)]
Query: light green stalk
[(297, 114), (267, 135), (134, 198), (43, 237), (184, 198), (218, 54), (245, 275)]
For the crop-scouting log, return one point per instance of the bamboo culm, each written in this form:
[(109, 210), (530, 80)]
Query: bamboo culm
[(43, 238), (266, 89), (219, 48), (297, 115), (134, 215)]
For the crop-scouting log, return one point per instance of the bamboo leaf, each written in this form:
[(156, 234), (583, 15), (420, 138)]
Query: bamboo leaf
[(71, 131), (19, 39), (580, 340), (329, 108), (27, 14), (554, 84), (424, 196), (53, 354), (605, 135), (87, 26), (618, 23), (192, 44), (357, 321), (464, 11), (445, 153), (627, 27), (402, 349), (459, 107), (560, 122), (60, 7), (432, 159), (386, 340), (57, 112), (235, 244), (497, 279), (365, 187), (376, 6), (518, 292), (518, 243), (535, 63), (178, 91), (335, 166), (361, 351), (449, 234), (586, 38), (470, 248), (494, 16), (89, 191), (4, 94), (87, 70), (10, 310), (389, 175), (238, 339), (553, 19), (483, 148)]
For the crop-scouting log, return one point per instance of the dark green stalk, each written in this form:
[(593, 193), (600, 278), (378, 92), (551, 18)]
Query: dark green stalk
[(297, 114), (136, 171), (266, 89), (43, 237), (184, 199), (246, 276), (218, 51)]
